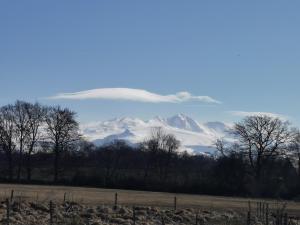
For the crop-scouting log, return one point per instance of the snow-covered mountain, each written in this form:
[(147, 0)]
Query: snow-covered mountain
[(194, 136), (181, 121)]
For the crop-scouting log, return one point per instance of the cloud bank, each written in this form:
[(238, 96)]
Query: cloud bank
[(244, 114), (137, 95)]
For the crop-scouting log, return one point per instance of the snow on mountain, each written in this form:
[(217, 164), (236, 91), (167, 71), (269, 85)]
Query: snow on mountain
[(184, 122), (126, 135), (194, 136), (218, 127)]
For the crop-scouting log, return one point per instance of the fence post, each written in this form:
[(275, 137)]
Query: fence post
[(163, 220), (12, 195), (249, 213), (116, 201), (133, 215), (37, 197), (51, 212), (65, 197), (267, 214), (19, 203), (285, 221), (249, 206), (277, 217), (7, 211), (263, 211), (175, 203), (197, 218), (260, 209), (249, 218)]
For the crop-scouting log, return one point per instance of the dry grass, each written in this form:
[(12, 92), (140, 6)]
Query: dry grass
[(29, 213), (95, 196)]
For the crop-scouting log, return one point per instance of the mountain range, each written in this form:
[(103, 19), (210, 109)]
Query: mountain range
[(195, 137)]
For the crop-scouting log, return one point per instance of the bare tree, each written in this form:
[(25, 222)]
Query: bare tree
[(160, 148), (171, 145), (7, 136), (36, 116), (220, 146), (262, 138), (152, 148), (21, 121), (295, 148), (226, 149), (111, 159), (63, 131)]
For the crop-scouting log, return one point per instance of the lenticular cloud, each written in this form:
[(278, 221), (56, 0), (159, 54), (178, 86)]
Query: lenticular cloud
[(138, 95)]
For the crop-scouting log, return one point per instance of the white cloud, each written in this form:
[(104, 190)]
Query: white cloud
[(244, 114), (138, 95)]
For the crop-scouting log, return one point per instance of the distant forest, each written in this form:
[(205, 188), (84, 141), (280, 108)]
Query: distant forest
[(43, 145)]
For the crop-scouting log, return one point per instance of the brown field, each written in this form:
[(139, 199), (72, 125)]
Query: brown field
[(96, 196)]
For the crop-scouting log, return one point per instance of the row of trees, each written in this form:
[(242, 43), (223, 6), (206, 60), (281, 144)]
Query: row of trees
[(262, 140), (43, 144), (26, 128)]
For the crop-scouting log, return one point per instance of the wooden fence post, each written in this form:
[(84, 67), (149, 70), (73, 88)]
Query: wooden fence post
[(285, 220), (12, 195), (65, 197), (19, 203), (37, 197), (51, 212), (260, 207), (249, 218), (116, 201), (133, 215), (163, 220), (277, 217), (267, 214), (249, 213), (263, 211), (197, 218), (175, 203), (7, 211), (249, 206)]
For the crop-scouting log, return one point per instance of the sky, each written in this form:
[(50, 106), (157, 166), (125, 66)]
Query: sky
[(212, 60)]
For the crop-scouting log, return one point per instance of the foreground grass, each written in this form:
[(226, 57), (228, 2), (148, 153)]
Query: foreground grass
[(29, 213), (96, 196)]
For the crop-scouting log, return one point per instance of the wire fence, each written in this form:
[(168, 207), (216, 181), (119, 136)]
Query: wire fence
[(266, 215), (70, 212)]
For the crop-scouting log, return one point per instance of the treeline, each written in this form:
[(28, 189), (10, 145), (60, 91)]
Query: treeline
[(43, 145), (27, 129)]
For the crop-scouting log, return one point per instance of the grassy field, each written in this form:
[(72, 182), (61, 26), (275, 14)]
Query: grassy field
[(96, 196)]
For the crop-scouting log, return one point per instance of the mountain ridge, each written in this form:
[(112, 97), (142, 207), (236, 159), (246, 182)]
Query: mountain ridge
[(195, 137)]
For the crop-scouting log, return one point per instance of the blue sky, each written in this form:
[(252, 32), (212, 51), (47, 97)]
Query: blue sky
[(242, 53)]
